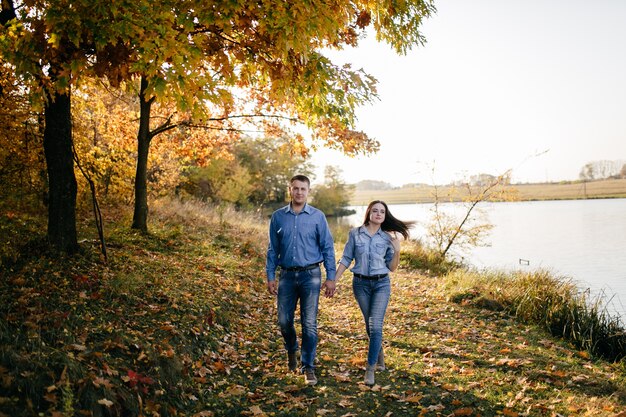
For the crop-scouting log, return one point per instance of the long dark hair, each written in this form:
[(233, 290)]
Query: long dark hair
[(391, 224)]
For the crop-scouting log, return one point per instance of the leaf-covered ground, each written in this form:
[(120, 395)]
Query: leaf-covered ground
[(179, 323)]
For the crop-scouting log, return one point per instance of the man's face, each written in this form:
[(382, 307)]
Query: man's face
[(299, 191)]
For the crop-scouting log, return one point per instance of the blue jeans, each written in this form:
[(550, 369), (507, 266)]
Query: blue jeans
[(373, 297), (304, 286)]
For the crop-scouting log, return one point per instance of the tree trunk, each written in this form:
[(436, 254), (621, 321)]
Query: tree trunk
[(57, 143), (140, 216)]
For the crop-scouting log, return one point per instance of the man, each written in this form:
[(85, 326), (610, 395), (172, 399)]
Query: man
[(299, 240)]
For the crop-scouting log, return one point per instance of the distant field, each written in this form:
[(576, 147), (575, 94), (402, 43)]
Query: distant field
[(524, 192)]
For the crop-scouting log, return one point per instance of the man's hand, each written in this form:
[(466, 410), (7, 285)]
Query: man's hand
[(329, 288), (272, 288)]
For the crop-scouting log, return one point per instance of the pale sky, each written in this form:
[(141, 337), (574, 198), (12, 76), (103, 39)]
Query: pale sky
[(498, 82)]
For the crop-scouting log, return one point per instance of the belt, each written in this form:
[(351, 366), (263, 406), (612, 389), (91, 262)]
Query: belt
[(301, 268), (379, 276)]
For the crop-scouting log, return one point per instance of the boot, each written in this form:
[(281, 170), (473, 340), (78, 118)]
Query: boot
[(309, 376), (292, 361), (369, 375), (380, 363)]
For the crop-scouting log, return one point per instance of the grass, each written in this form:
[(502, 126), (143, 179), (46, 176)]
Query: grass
[(615, 188), (179, 323), (556, 304)]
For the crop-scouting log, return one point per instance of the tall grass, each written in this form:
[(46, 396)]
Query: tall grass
[(416, 255), (552, 302)]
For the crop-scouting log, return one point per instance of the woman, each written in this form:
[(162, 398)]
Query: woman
[(375, 249)]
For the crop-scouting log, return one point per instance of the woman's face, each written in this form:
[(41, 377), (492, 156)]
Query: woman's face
[(377, 214)]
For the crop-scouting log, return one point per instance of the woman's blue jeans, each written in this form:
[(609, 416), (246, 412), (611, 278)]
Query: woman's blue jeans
[(304, 286), (373, 298)]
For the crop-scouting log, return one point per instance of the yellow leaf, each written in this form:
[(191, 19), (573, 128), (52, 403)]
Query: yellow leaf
[(414, 398)]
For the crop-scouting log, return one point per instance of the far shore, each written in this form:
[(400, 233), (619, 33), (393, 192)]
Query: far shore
[(566, 190)]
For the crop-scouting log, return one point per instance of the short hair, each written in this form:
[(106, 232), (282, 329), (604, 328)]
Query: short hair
[(302, 178)]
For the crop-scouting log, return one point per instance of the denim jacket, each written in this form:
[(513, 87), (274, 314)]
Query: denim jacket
[(372, 254)]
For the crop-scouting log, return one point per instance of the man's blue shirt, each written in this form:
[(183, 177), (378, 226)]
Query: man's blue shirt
[(300, 240), (371, 254)]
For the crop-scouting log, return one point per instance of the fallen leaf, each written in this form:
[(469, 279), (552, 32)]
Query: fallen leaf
[(414, 398), (204, 414), (105, 402), (256, 411), (77, 347)]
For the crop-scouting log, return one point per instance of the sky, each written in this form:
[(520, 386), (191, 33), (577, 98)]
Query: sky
[(537, 87)]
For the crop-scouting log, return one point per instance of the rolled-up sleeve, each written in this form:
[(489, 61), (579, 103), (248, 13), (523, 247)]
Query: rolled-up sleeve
[(389, 254), (273, 249), (328, 249), (348, 250)]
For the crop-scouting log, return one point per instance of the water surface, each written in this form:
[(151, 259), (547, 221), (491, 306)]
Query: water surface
[(584, 240)]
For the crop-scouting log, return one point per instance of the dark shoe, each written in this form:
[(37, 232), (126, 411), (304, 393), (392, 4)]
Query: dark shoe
[(380, 364), (293, 360), (369, 375), (309, 376)]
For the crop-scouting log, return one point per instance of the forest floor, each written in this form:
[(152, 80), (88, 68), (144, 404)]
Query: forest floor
[(179, 323)]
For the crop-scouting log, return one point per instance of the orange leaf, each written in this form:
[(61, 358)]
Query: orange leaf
[(219, 366), (357, 361), (466, 411)]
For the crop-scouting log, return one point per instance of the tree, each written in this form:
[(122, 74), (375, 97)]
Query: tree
[(48, 44), (603, 169), (252, 172), (104, 126), (255, 62), (22, 169), (333, 195), (221, 181), (269, 53), (448, 230), (271, 164)]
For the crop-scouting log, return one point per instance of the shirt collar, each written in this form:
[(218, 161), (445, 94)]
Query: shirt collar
[(380, 232), (305, 209)]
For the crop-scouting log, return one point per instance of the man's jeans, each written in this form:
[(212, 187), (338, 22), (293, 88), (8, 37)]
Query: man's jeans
[(304, 286), (373, 297)]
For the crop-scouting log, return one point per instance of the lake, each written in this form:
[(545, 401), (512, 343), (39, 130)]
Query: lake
[(584, 240)]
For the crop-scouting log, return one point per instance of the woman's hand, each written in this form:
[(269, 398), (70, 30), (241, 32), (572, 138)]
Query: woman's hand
[(395, 242), (395, 261)]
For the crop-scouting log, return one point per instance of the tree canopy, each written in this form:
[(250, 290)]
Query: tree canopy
[(231, 67)]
